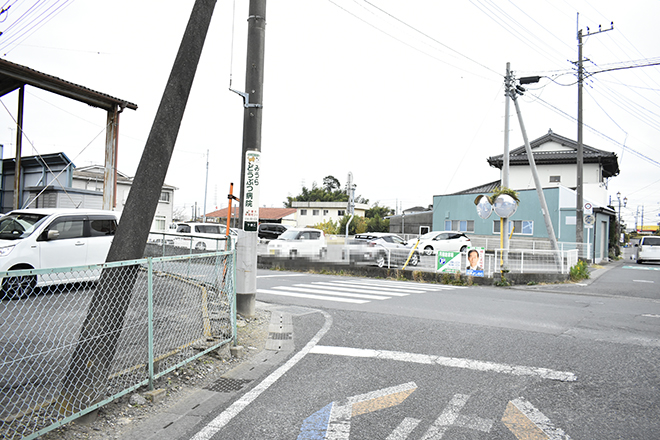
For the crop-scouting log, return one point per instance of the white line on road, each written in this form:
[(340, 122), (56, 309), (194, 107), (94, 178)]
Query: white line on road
[(227, 415), (309, 296), (521, 407), (515, 370), (362, 289), (643, 281), (307, 288)]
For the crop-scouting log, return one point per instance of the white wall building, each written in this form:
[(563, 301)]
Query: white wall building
[(91, 178), (312, 213)]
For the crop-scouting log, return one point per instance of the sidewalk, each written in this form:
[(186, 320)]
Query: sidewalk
[(191, 393)]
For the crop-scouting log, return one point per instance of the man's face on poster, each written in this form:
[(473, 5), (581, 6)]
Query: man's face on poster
[(473, 258)]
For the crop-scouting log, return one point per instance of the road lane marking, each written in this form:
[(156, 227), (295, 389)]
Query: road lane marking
[(235, 408), (404, 429), (306, 288), (402, 285), (333, 422), (366, 289), (643, 281), (308, 296), (641, 268), (514, 370), (528, 423), (451, 416)]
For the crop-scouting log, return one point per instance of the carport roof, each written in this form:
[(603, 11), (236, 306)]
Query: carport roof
[(13, 76)]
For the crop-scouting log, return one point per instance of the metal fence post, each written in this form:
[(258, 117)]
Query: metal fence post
[(150, 321)]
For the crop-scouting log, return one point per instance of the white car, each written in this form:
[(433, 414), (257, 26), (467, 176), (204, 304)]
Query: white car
[(648, 249), (432, 242), (53, 238), (299, 242), (382, 249), (202, 236)]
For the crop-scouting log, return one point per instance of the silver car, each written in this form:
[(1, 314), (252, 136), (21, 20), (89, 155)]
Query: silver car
[(452, 241)]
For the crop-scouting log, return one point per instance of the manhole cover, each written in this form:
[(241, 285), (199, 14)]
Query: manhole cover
[(224, 385)]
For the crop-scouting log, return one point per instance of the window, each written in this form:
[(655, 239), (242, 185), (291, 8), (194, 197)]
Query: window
[(68, 228), (315, 211), (519, 227), (164, 196), (303, 212), (555, 178), (326, 212), (459, 225), (101, 227), (341, 212)]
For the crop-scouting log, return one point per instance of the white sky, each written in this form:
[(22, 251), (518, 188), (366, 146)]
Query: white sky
[(405, 95)]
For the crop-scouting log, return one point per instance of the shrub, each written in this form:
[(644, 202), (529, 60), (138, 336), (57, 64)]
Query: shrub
[(580, 271)]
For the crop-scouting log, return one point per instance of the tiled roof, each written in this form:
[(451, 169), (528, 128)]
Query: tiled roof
[(590, 155), (264, 213), (481, 189)]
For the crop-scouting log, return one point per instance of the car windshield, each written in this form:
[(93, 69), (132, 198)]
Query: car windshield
[(429, 235), (288, 235), (19, 225)]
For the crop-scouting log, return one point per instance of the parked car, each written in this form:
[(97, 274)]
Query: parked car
[(202, 236), (648, 249), (53, 238), (380, 248), (270, 231), (297, 242), (435, 241)]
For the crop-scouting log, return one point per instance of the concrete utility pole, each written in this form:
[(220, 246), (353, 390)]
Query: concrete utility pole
[(246, 264), (579, 215), (513, 92), (85, 381), (505, 160)]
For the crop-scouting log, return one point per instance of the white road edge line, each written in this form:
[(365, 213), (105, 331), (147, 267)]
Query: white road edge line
[(227, 415), (469, 364)]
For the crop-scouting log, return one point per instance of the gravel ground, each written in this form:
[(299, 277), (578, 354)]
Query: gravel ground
[(127, 412)]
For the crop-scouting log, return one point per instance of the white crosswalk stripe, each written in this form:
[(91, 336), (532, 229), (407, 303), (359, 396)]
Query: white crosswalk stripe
[(356, 291)]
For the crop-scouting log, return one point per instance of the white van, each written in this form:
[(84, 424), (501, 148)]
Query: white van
[(53, 238)]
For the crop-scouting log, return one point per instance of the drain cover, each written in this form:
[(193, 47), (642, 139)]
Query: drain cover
[(280, 336), (224, 385)]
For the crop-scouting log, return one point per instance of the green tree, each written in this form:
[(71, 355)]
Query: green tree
[(358, 225), (330, 192), (376, 221)]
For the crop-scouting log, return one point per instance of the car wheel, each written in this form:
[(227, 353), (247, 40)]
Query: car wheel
[(18, 287), (381, 260), (200, 246), (414, 260), (293, 254), (639, 261), (428, 250), (464, 248)]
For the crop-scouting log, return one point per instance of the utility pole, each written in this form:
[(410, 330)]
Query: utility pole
[(246, 262), (505, 162), (513, 93), (579, 220)]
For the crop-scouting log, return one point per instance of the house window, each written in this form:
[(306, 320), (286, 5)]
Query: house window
[(459, 225), (315, 212), (341, 212), (326, 212), (555, 179), (519, 227), (164, 196), (303, 212)]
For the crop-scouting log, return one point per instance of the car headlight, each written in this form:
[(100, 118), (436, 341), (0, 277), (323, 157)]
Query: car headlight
[(4, 251)]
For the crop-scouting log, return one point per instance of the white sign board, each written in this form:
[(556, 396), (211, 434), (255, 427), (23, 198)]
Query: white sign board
[(251, 191)]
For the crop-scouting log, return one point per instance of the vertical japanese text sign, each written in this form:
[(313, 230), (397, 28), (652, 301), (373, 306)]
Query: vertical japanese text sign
[(251, 203)]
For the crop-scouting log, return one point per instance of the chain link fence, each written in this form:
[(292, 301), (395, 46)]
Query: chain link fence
[(72, 340)]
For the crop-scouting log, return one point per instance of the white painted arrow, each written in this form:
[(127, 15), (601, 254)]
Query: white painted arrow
[(333, 422)]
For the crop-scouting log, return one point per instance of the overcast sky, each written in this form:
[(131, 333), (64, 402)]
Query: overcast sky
[(408, 96)]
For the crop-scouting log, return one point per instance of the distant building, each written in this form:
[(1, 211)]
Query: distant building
[(313, 213), (413, 221), (285, 216), (556, 160), (90, 178)]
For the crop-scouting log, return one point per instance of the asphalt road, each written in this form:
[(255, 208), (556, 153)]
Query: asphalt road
[(403, 360)]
